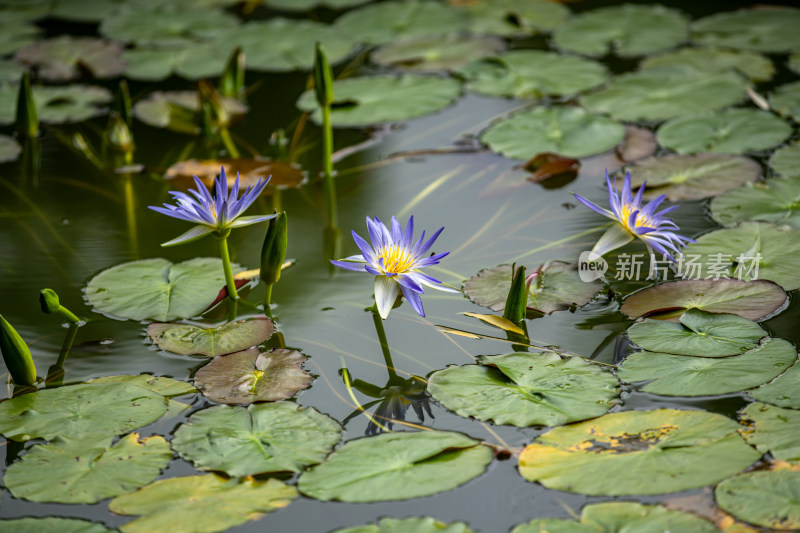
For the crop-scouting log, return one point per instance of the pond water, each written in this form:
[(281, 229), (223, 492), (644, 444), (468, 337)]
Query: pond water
[(68, 220)]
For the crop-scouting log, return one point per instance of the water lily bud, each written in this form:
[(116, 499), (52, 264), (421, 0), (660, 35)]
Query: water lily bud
[(273, 252), (27, 118), (517, 299), (232, 81), (16, 354), (119, 134), (323, 78), (48, 300)]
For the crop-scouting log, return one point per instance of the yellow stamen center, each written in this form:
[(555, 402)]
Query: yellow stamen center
[(641, 221), (396, 259)]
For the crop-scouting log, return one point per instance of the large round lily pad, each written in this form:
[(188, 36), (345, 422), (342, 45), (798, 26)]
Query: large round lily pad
[(526, 389), (688, 177), (66, 58), (76, 471), (164, 386), (644, 452), (782, 391), (187, 339), (375, 99), (627, 30), (677, 375), (566, 131), (432, 53), (396, 466), (514, 17), (56, 105), (730, 131), (698, 333), (175, 501), (786, 100), (661, 94), (786, 160), (774, 430), (751, 250), (776, 201), (249, 376), (532, 74), (179, 110), (755, 66), (52, 525), (557, 287), (166, 24), (79, 411), (771, 29), (273, 437), (768, 498), (156, 288), (753, 300)]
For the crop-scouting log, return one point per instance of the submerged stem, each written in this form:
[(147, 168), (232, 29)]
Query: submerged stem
[(222, 239)]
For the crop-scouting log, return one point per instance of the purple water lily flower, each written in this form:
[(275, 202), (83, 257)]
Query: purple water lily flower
[(395, 259)]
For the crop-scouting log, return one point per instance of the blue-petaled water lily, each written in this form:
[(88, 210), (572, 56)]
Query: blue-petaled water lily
[(395, 259), (636, 222)]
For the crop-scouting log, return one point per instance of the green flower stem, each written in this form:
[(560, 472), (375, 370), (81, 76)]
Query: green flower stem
[(268, 300), (225, 136), (327, 165), (55, 374), (387, 355), (130, 213), (222, 239)]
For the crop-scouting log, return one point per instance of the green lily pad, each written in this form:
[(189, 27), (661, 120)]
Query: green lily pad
[(16, 34), (753, 300), (167, 24), (689, 177), (786, 100), (698, 333), (66, 58), (771, 29), (751, 250), (750, 64), (661, 94), (566, 131), (514, 17), (617, 517), (773, 429), (731, 131), (786, 160), (782, 391), (432, 53), (156, 288), (776, 201), (678, 375), (408, 525), (172, 501), (384, 22), (396, 466), (88, 11), (305, 5), (166, 387), (526, 389), (644, 452), (186, 339), (376, 99), (154, 64), (768, 498), (85, 411), (9, 149), (10, 71), (56, 105), (77, 471), (270, 437), (556, 287), (179, 110), (52, 525), (533, 74), (249, 376), (627, 30)]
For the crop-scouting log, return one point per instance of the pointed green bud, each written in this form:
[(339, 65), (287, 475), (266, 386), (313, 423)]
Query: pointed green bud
[(27, 118), (323, 77), (517, 299), (122, 102), (119, 134), (48, 300), (16, 354), (279, 145), (273, 252), (232, 81)]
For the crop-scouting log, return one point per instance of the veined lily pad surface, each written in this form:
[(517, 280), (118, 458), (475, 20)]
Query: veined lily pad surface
[(776, 201), (755, 66), (51, 525), (762, 30), (764, 498), (773, 429), (186, 339), (164, 386), (786, 160), (782, 391)]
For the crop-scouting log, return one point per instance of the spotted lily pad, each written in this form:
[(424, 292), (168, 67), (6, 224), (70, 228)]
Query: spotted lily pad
[(533, 74), (165, 24), (786, 100), (677, 375), (566, 131), (688, 177), (732, 131), (753, 300), (281, 174), (375, 99), (80, 412), (698, 333), (774, 430), (65, 58), (56, 105), (396, 466), (176, 500), (164, 386), (786, 160), (768, 498), (771, 29), (513, 17), (755, 66), (661, 94), (179, 110), (9, 149), (432, 53), (526, 389), (408, 525), (156, 288), (627, 30), (782, 391), (249, 376), (52, 525), (776, 201), (77, 471), (186, 339), (556, 287), (270, 437), (644, 452)]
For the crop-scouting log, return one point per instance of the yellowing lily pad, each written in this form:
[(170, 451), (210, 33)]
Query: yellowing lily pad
[(526, 389), (755, 66), (396, 466), (782, 391), (51, 525), (173, 502), (768, 498), (186, 339), (271, 437), (179, 110), (776, 201), (56, 105), (771, 29), (249, 376), (72, 470), (773, 429), (432, 53), (643, 452), (513, 17), (66, 58), (786, 160)]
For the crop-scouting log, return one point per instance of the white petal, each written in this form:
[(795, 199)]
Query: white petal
[(385, 294), (197, 232), (615, 237)]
